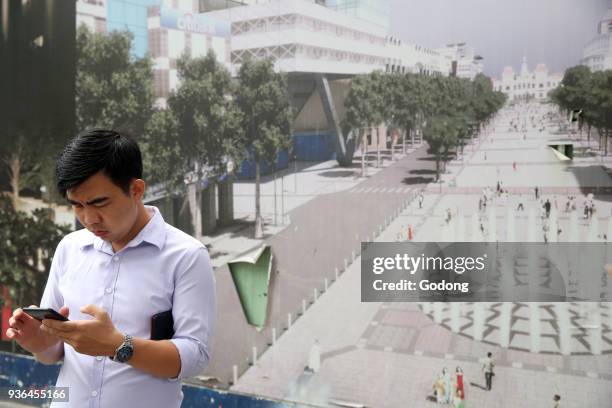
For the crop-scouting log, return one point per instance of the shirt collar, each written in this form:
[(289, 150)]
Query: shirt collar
[(154, 232)]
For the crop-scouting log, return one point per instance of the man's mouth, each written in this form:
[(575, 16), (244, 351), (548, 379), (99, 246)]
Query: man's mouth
[(100, 233)]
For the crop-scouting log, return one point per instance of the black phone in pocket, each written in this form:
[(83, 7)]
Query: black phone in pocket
[(162, 326), (40, 314)]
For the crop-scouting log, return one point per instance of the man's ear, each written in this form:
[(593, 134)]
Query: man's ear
[(137, 189)]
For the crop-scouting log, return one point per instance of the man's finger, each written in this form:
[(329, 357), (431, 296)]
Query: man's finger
[(95, 311), (12, 334), (59, 326)]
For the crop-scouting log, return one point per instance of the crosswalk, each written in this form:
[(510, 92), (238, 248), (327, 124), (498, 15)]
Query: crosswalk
[(380, 190)]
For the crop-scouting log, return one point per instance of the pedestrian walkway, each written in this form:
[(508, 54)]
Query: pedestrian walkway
[(389, 354)]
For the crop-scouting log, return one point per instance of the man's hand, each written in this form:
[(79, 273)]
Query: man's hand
[(27, 332), (96, 337)]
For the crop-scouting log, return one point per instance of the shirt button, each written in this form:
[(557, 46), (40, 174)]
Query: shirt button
[(99, 358), (115, 259), (109, 290), (94, 393)]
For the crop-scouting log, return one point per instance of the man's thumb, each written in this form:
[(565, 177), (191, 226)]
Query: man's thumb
[(64, 311)]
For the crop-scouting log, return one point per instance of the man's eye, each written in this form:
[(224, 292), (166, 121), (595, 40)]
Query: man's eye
[(76, 205)]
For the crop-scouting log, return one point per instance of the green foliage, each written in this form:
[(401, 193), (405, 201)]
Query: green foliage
[(266, 114), (113, 89), (27, 244), (447, 109), (590, 92)]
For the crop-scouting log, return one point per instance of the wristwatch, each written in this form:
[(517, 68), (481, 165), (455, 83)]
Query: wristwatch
[(125, 351)]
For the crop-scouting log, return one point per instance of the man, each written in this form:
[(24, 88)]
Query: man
[(487, 367), (111, 278)]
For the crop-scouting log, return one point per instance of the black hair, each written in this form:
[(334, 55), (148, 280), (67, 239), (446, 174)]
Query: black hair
[(95, 150), (489, 354)]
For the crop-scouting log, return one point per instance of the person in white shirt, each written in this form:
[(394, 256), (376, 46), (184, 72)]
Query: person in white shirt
[(111, 278), (487, 367)]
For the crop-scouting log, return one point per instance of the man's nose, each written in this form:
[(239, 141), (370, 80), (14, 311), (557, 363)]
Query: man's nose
[(91, 216)]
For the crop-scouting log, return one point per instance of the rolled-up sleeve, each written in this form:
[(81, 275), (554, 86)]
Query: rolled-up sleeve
[(194, 311)]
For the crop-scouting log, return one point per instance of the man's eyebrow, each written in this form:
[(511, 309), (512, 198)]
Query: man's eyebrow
[(90, 202)]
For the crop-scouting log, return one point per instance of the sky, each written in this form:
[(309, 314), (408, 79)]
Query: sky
[(553, 32)]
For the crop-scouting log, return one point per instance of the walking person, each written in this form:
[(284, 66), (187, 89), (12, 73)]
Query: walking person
[(547, 206), (459, 383), (537, 193), (487, 366), (447, 385), (520, 204), (421, 198)]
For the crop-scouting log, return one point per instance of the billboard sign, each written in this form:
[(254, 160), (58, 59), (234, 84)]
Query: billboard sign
[(194, 23)]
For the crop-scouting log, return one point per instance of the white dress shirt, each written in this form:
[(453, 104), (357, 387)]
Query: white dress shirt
[(160, 269)]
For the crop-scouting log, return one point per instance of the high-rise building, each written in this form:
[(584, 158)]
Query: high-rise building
[(464, 61), (131, 15), (37, 68), (174, 32), (597, 54), (92, 13)]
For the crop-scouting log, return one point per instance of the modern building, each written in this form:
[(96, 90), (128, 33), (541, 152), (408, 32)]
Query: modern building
[(173, 32), (527, 84), (37, 68), (131, 15), (377, 12), (464, 61), (92, 13), (597, 54), (319, 46)]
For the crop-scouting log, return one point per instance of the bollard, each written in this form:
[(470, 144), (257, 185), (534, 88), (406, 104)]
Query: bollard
[(254, 355), (288, 321), (303, 306), (316, 294), (336, 273), (345, 264), (235, 374), (273, 336), (326, 284)]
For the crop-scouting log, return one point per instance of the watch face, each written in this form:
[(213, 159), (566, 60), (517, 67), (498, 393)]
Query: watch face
[(124, 354)]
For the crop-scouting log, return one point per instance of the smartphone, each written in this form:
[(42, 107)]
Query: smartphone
[(40, 314)]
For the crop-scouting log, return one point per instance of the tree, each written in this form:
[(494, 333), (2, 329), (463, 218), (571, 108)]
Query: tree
[(266, 119), (198, 134), (599, 100), (359, 111), (113, 88), (439, 135), (27, 244)]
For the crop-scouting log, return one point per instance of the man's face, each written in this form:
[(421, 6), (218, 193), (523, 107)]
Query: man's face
[(104, 208)]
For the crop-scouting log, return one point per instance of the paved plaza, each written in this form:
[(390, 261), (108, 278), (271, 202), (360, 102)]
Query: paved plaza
[(389, 354)]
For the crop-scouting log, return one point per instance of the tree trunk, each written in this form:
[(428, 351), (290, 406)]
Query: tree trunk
[(194, 200), (364, 148), (14, 163), (589, 137), (606, 142), (437, 167), (378, 146), (258, 221)]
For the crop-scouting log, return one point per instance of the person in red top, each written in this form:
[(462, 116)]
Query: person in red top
[(459, 382)]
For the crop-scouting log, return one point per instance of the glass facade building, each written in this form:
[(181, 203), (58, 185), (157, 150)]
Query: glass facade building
[(130, 15), (377, 12)]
